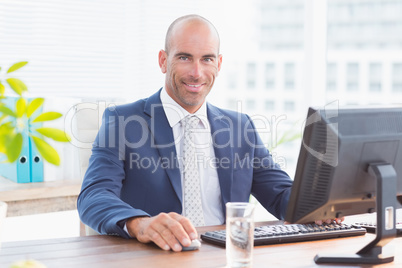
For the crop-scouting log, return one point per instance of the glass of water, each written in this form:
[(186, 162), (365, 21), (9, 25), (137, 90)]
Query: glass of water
[(239, 234)]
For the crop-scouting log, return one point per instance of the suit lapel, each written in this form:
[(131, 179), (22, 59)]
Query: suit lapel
[(163, 140), (222, 139)]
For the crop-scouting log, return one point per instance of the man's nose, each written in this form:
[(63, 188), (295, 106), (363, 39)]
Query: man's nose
[(196, 69)]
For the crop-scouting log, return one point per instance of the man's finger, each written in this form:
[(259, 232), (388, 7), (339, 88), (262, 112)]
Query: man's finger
[(158, 240), (170, 230), (171, 239), (187, 226), (147, 230), (318, 222), (328, 221)]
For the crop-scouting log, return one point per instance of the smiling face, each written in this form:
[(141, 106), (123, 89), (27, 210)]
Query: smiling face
[(191, 63)]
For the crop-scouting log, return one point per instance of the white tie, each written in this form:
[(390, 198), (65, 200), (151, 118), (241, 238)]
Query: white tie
[(192, 188)]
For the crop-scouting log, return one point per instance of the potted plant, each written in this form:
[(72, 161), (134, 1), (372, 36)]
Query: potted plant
[(20, 118)]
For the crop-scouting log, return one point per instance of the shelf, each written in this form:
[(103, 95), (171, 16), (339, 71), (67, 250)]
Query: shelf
[(39, 197)]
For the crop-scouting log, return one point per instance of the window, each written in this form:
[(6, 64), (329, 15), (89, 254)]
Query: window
[(352, 77), (289, 74), (232, 104), (282, 26), (397, 77), (375, 75), (289, 106), (331, 76), (269, 76), (364, 24), (232, 80), (269, 105), (250, 105), (251, 75)]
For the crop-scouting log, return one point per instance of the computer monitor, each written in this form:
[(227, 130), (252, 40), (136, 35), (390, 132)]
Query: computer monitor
[(350, 162)]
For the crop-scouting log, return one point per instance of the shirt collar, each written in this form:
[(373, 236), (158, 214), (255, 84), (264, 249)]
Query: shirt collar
[(175, 113)]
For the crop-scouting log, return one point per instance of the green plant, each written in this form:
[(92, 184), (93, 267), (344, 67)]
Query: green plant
[(23, 117)]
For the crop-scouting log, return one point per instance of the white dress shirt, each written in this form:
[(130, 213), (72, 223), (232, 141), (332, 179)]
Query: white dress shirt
[(210, 188)]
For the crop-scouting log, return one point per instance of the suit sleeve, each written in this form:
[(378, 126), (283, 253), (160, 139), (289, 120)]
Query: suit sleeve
[(99, 204), (271, 185)]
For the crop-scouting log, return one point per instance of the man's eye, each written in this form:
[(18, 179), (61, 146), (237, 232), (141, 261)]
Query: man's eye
[(208, 59), (183, 58)]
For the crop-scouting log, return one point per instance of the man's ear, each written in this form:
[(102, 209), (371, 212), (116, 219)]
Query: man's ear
[(219, 63), (162, 58)]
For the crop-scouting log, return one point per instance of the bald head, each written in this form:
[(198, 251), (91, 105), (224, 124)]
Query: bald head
[(190, 60), (188, 20)]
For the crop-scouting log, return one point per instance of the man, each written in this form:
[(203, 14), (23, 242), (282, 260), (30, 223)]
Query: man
[(135, 185)]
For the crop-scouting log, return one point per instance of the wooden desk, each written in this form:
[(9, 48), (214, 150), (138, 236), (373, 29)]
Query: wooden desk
[(107, 251), (39, 197)]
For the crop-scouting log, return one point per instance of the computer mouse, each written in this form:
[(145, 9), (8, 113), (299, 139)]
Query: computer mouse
[(195, 244)]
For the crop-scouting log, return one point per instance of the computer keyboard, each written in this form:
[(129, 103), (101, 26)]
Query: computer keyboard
[(371, 227), (287, 233)]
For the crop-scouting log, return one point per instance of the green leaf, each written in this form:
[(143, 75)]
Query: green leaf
[(34, 105), (7, 128), (54, 133), (2, 89), (3, 141), (48, 116), (17, 66), (17, 85), (13, 149), (5, 110), (2, 117), (8, 125), (6, 134), (20, 107), (47, 151), (2, 144)]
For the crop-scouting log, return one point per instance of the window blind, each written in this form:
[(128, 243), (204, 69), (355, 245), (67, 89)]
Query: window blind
[(90, 48), (74, 47)]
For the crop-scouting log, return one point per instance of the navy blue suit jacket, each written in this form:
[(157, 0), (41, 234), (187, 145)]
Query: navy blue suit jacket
[(133, 170)]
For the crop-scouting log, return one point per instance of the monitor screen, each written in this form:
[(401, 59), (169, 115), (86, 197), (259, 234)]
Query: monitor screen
[(338, 145)]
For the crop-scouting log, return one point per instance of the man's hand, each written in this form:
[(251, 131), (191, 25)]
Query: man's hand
[(328, 221), (166, 230)]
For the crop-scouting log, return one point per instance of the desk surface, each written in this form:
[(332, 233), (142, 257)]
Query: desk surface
[(107, 251)]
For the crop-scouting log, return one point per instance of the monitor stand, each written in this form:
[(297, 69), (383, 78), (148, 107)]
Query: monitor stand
[(386, 221)]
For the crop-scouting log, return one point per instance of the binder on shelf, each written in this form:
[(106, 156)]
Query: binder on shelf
[(36, 161), (29, 165)]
